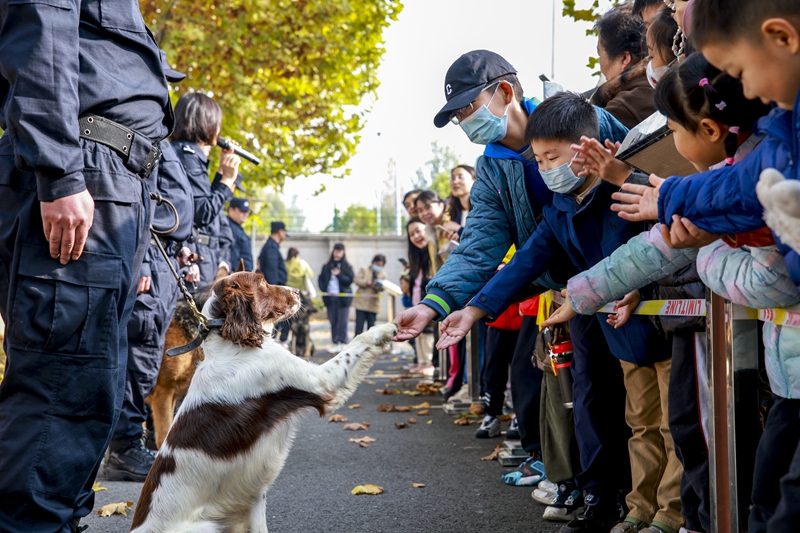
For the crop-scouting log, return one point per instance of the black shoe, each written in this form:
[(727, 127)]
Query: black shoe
[(131, 462), (76, 527), (597, 516), (149, 438)]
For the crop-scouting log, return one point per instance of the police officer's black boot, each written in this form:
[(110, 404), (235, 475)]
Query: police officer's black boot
[(128, 460), (76, 527)]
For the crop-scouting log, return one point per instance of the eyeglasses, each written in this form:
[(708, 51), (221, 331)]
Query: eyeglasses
[(461, 114)]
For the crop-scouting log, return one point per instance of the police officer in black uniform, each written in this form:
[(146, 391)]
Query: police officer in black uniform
[(128, 459), (238, 211), (198, 119), (84, 107)]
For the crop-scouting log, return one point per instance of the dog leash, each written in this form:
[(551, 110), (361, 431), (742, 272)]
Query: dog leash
[(205, 324)]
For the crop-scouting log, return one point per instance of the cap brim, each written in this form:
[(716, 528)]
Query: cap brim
[(457, 102), (173, 76)]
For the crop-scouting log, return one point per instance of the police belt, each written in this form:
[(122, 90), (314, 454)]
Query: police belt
[(120, 139), (206, 240)]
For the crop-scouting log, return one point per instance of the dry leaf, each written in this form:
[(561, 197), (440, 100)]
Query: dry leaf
[(402, 408), (424, 412), (476, 409), (369, 382), (400, 425), (505, 418), (399, 378), (337, 418), (492, 456), (97, 487), (423, 405), (411, 392), (355, 426), (115, 508), (387, 391), (368, 489), (364, 441), (428, 389), (395, 359), (430, 421), (412, 420), (417, 485), (354, 406), (388, 408), (378, 372), (462, 421)]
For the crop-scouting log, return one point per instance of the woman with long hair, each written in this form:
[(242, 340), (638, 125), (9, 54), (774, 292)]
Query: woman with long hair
[(440, 230), (335, 279), (420, 271), (462, 178)]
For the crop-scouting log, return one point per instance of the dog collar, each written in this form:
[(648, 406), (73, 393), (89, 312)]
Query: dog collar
[(205, 329)]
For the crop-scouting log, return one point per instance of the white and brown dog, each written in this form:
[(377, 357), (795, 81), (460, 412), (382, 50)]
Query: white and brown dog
[(232, 434)]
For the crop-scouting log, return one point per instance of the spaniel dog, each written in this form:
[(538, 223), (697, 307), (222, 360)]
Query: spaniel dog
[(232, 433)]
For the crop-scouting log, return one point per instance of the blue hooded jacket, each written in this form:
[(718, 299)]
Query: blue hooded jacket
[(588, 233), (724, 201), (507, 200)]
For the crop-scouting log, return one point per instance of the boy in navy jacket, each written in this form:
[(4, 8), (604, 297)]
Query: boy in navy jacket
[(580, 223)]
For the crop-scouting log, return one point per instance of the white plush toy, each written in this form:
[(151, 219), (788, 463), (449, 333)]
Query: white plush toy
[(781, 200)]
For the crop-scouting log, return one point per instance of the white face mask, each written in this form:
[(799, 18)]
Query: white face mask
[(562, 179), (654, 74)]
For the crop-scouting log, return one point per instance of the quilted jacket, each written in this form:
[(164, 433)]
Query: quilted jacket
[(506, 208), (724, 201)]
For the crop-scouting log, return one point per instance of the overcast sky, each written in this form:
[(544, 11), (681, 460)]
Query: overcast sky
[(420, 47)]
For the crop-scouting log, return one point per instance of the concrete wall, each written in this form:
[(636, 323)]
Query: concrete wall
[(316, 248)]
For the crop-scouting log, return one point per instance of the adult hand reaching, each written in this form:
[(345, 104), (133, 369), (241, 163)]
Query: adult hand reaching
[(456, 326), (639, 202), (66, 223), (412, 321)]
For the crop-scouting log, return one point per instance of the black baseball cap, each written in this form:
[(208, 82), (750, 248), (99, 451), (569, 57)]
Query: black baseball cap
[(467, 77), (172, 75), (276, 226), (240, 203)]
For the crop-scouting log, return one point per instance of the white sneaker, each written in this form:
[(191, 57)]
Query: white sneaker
[(334, 349), (546, 492), (490, 427), (461, 395)]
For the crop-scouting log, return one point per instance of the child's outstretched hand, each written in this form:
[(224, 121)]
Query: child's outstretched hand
[(456, 326), (600, 161), (560, 315), (624, 309), (639, 202), (684, 234)]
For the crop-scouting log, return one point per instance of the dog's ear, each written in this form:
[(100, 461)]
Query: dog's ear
[(242, 321)]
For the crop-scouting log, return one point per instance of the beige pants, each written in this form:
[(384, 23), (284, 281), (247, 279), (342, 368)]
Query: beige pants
[(655, 469), (424, 349)]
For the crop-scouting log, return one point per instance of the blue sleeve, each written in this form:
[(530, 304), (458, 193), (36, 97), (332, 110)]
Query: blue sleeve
[(39, 64), (173, 185), (209, 198), (269, 265), (610, 128), (528, 263)]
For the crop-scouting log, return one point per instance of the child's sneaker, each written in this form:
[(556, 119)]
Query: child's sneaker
[(490, 427), (598, 515), (566, 504), (513, 430), (529, 473), (545, 493)]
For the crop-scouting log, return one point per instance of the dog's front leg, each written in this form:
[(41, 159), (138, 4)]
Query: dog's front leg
[(258, 516), (342, 374)]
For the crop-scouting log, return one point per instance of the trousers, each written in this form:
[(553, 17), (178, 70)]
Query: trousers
[(500, 346), (66, 341), (338, 316), (557, 425), (364, 317), (147, 328), (526, 386)]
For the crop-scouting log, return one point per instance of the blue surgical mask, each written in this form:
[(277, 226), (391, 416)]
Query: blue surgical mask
[(483, 127), (377, 268), (561, 180)]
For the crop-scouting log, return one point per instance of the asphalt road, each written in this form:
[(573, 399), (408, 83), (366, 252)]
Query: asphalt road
[(312, 493)]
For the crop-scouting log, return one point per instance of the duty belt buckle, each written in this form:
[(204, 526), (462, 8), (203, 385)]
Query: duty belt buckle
[(150, 162)]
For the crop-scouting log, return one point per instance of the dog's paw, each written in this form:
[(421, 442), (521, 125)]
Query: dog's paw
[(381, 335)]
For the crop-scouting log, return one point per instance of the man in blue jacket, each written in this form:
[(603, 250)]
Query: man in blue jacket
[(484, 97), (84, 107), (272, 266), (238, 211)]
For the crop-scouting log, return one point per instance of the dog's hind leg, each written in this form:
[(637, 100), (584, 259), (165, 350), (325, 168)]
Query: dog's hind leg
[(163, 406)]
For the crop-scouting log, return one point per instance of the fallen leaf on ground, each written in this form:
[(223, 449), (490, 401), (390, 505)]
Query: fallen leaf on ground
[(395, 359), (368, 489), (424, 412), (476, 409), (430, 421), (400, 378), (378, 372), (506, 418), (492, 456), (400, 425), (364, 441), (387, 391), (402, 408), (354, 406), (388, 408), (428, 389), (462, 421), (355, 426), (337, 418), (417, 485), (411, 392), (115, 508), (423, 405), (412, 420), (97, 487), (369, 382)]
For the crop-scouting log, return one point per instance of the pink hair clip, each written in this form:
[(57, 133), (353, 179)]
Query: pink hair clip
[(722, 105), (734, 129), (730, 160), (703, 82)]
